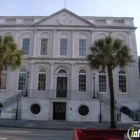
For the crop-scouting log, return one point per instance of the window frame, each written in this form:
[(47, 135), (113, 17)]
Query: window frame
[(40, 82), (85, 39), (63, 48), (123, 75), (46, 46), (26, 47), (83, 89), (25, 81), (4, 72), (102, 73)]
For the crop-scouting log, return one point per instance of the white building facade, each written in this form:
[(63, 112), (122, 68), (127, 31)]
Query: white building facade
[(61, 85)]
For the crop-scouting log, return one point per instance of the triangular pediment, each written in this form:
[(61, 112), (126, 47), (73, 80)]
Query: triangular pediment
[(64, 17)]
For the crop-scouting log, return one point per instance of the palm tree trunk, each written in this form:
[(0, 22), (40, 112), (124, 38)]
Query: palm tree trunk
[(0, 76), (111, 87)]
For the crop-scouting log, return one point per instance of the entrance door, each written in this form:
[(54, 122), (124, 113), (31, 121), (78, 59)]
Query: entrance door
[(59, 111), (61, 87)]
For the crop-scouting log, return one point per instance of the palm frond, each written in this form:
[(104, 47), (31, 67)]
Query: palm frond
[(109, 52), (10, 55)]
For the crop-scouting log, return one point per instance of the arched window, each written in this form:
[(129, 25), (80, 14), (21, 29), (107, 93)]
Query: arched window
[(63, 44), (26, 38), (22, 79), (82, 44), (42, 79), (102, 81), (3, 78), (44, 44), (122, 38), (62, 71), (122, 81), (82, 80)]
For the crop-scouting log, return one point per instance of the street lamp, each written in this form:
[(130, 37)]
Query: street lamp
[(94, 85), (100, 115), (27, 74), (17, 97)]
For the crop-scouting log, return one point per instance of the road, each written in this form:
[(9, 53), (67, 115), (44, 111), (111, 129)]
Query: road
[(34, 134)]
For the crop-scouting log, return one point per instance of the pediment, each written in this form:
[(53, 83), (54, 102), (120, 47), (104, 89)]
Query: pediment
[(64, 18)]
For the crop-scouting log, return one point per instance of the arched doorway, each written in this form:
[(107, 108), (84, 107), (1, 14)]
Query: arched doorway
[(61, 83)]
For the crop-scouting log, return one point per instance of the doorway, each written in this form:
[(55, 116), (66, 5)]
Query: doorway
[(59, 111), (61, 87)]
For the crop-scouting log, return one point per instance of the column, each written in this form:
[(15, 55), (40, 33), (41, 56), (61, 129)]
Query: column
[(72, 50), (53, 46), (130, 88), (130, 42), (92, 37), (34, 45), (55, 86), (52, 79), (72, 80), (31, 77), (17, 37)]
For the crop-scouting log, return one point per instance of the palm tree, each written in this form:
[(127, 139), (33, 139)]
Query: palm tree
[(10, 55), (109, 53)]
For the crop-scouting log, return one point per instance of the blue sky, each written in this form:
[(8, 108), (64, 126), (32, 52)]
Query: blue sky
[(119, 8)]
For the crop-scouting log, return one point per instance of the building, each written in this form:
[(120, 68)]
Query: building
[(60, 84)]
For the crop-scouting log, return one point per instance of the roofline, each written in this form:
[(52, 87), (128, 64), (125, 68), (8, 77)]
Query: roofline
[(67, 11)]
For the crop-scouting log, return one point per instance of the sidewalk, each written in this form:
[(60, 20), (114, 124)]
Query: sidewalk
[(59, 125)]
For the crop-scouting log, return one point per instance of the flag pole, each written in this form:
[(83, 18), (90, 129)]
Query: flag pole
[(65, 4)]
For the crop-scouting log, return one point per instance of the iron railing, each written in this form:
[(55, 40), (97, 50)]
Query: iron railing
[(9, 101), (134, 115), (71, 94)]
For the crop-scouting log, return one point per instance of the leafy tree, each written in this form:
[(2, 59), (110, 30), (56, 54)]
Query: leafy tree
[(10, 55), (109, 53)]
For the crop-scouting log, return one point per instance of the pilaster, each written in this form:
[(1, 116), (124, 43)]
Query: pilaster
[(53, 42), (72, 51), (72, 76), (52, 76), (92, 37), (17, 37), (31, 78), (35, 43)]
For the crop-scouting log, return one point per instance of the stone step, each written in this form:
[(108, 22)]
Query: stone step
[(126, 118), (9, 112)]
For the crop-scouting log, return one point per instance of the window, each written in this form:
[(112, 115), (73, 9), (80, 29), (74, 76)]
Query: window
[(82, 47), (102, 81), (122, 81), (123, 42), (22, 79), (44, 46), (42, 80), (63, 46), (62, 71), (82, 80), (35, 109), (83, 110), (25, 46), (122, 38), (3, 78)]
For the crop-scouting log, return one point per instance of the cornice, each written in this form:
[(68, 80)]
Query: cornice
[(60, 27)]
